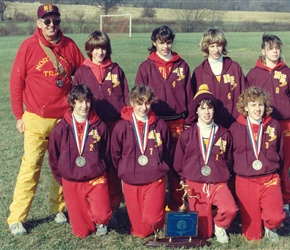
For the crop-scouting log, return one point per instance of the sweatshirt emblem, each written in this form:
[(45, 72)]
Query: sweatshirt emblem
[(281, 77), (222, 144), (155, 136), (180, 74), (271, 132), (230, 79), (286, 133), (95, 135)]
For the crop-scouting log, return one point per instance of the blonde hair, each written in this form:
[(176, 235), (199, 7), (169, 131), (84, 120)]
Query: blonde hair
[(253, 94), (210, 36)]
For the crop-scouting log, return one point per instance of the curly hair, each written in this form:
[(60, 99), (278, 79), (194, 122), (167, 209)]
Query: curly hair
[(253, 94), (139, 93), (210, 36)]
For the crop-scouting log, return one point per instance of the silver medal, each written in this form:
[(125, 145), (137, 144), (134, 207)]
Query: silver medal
[(80, 161), (205, 170), (257, 165), (142, 160)]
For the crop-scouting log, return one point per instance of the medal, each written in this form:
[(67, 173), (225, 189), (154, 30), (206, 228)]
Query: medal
[(59, 83), (141, 140), (206, 151), (80, 161), (142, 160), (256, 145), (205, 170), (257, 165)]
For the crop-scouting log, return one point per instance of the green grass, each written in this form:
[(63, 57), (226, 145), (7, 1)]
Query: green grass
[(129, 53)]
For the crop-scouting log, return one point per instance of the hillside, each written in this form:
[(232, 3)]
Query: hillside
[(92, 12)]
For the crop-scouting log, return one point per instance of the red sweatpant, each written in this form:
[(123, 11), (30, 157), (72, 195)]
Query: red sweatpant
[(145, 206), (87, 204), (285, 181), (260, 200), (176, 127), (218, 195)]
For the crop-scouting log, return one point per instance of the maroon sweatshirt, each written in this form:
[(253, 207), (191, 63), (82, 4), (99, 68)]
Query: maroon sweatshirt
[(188, 159), (276, 82), (227, 91), (174, 93), (111, 94), (271, 154), (63, 150), (125, 150)]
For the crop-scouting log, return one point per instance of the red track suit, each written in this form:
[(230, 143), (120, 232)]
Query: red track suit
[(171, 83), (144, 186), (276, 82), (258, 191), (227, 90), (85, 188), (108, 83), (211, 189)]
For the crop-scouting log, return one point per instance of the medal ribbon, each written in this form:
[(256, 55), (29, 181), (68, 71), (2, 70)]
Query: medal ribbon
[(142, 141), (75, 132), (206, 152), (255, 145)]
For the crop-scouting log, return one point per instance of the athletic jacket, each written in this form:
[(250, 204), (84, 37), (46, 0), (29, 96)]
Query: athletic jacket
[(125, 150), (227, 91), (276, 82), (174, 93), (33, 76), (63, 150), (188, 159), (271, 154), (111, 94)]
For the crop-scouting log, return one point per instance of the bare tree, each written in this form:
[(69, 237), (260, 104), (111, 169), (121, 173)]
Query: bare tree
[(106, 5), (3, 6), (190, 20)]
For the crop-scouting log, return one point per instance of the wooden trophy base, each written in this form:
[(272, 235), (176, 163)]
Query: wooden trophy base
[(177, 242)]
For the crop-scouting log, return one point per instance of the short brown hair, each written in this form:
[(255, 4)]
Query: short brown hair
[(253, 94), (210, 36), (98, 39), (268, 41), (80, 92)]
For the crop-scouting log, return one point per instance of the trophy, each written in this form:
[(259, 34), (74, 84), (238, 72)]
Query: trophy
[(180, 227)]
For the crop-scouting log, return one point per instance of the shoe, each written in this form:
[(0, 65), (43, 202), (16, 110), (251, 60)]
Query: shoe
[(221, 235), (101, 230), (59, 218), (271, 234), (17, 229)]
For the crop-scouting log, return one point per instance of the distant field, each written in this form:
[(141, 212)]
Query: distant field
[(92, 12), (129, 53)]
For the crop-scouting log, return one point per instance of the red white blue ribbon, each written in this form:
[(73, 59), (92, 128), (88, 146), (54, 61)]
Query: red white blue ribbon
[(256, 145), (142, 140), (206, 151), (75, 132)]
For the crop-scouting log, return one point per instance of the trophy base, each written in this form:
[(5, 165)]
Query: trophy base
[(178, 242)]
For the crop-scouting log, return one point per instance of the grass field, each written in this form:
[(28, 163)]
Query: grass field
[(129, 53)]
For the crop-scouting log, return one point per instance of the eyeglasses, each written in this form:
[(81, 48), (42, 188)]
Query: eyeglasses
[(48, 21)]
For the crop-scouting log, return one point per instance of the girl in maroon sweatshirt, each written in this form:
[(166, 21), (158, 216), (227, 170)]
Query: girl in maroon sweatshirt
[(78, 152), (258, 160), (141, 149), (203, 159), (169, 75)]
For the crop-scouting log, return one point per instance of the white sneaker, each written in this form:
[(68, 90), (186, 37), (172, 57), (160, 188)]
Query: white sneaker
[(17, 229), (221, 235), (271, 234), (59, 218), (101, 230)]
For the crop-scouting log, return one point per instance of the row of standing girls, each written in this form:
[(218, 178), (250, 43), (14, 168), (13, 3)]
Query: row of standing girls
[(225, 130)]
